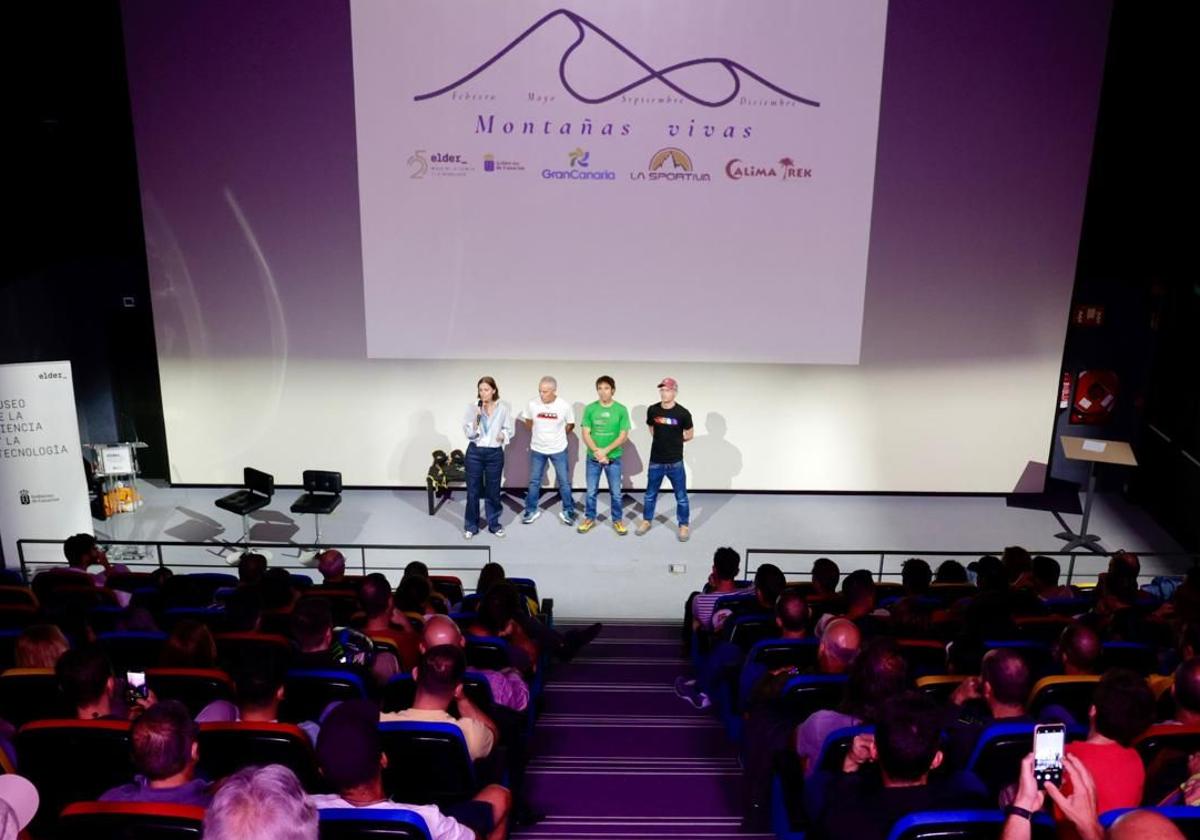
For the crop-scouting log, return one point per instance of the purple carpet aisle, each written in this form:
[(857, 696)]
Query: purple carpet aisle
[(617, 755)]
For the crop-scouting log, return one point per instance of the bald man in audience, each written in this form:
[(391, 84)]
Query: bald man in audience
[(999, 693), (508, 688), (1078, 650), (1144, 825), (839, 645)]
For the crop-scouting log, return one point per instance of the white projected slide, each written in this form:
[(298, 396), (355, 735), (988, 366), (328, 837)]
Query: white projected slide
[(677, 180)]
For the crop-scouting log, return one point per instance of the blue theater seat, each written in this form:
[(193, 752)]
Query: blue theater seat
[(368, 824)]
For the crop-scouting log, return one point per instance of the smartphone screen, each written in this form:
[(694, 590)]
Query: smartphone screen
[(1048, 742), (136, 680)]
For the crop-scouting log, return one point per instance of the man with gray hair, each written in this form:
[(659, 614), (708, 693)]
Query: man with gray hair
[(261, 803), (550, 419)]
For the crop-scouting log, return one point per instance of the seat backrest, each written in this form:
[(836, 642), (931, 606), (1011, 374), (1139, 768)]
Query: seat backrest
[(805, 694), (924, 656), (1041, 628), (449, 586), (132, 650), (17, 595), (777, 653), (427, 762), (939, 686), (260, 482), (8, 647), (1073, 693), (364, 824), (1185, 817), (401, 690), (996, 760), (17, 615), (749, 628), (1183, 738), (234, 649), (948, 593), (837, 745), (72, 761), (322, 481), (30, 694), (489, 653), (963, 825), (130, 821), (194, 687), (1140, 658), (307, 692), (226, 748)]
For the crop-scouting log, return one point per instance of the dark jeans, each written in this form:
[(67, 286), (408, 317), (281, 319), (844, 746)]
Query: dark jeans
[(485, 464)]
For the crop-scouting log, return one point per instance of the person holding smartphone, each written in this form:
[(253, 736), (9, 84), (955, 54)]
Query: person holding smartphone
[(488, 425)]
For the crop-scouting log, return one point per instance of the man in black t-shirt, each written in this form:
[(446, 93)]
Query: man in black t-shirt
[(671, 426)]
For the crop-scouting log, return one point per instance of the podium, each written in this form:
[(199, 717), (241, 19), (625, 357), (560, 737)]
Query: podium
[(1093, 451)]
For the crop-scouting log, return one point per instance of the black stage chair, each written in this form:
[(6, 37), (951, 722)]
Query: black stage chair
[(259, 488), (322, 495), (130, 821)]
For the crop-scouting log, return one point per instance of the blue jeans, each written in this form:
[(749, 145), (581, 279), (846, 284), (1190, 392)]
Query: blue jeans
[(654, 479), (484, 467), (612, 471), (537, 468)]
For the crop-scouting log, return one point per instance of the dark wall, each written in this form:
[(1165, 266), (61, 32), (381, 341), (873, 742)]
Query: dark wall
[(1132, 263), (74, 283)]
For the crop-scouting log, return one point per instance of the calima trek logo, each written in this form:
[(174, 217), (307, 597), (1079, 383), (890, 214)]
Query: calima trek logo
[(783, 170)]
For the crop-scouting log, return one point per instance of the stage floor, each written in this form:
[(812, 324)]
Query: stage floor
[(601, 574)]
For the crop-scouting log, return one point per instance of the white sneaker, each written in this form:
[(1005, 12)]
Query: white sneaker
[(567, 518), (499, 532), (529, 517), (468, 534)]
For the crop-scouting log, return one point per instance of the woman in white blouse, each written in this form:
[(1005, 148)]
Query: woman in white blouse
[(488, 425)]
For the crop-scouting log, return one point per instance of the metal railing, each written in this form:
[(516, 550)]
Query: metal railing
[(157, 558), (882, 568)]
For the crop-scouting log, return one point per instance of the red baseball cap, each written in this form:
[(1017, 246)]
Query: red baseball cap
[(668, 382)]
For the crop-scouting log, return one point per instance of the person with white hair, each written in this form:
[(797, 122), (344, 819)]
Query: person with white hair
[(261, 803), (550, 419)]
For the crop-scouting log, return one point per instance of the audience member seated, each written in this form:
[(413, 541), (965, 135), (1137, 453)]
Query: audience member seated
[(950, 571), (1044, 579), (722, 580), (564, 646), (82, 551), (165, 755), (791, 617), (1003, 687), (439, 683), (19, 803), (497, 616), (858, 592), (88, 686), (1171, 766), (768, 583), (877, 674), (1122, 709), (252, 568), (1077, 653), (331, 563), (351, 756), (243, 611), (190, 645), (825, 576), (260, 693), (912, 615), (312, 630), (40, 646), (1018, 566), (414, 598), (507, 686), (886, 776), (385, 621), (278, 591), (261, 803), (418, 569)]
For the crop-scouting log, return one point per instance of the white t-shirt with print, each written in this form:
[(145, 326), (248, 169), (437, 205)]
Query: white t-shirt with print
[(549, 434)]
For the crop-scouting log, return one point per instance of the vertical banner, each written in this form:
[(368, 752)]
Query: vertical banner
[(42, 490)]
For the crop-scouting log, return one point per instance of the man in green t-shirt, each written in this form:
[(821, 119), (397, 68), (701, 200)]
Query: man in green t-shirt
[(605, 427)]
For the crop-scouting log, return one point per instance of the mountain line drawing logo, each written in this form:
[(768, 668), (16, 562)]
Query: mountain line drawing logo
[(735, 69)]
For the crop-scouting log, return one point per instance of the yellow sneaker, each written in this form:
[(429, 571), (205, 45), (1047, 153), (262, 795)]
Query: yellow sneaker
[(586, 525), (620, 528)]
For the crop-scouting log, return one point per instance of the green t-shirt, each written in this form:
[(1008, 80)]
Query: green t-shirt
[(604, 423)]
